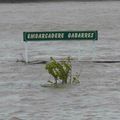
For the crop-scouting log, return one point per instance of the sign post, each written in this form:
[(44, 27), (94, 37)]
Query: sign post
[(58, 35), (26, 52)]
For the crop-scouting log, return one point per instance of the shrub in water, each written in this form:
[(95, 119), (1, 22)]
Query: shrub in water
[(61, 71)]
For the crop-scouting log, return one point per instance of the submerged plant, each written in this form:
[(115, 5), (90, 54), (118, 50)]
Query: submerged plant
[(61, 71)]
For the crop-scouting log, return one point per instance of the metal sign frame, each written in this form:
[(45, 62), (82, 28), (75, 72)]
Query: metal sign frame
[(59, 35)]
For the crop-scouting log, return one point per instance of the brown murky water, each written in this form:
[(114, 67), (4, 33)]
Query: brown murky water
[(98, 94)]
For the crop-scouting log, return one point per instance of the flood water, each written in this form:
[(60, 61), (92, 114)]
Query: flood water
[(97, 97)]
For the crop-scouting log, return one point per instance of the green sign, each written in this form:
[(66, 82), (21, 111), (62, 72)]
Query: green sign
[(60, 35)]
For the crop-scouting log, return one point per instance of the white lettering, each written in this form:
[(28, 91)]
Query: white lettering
[(60, 35), (92, 35), (32, 36)]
